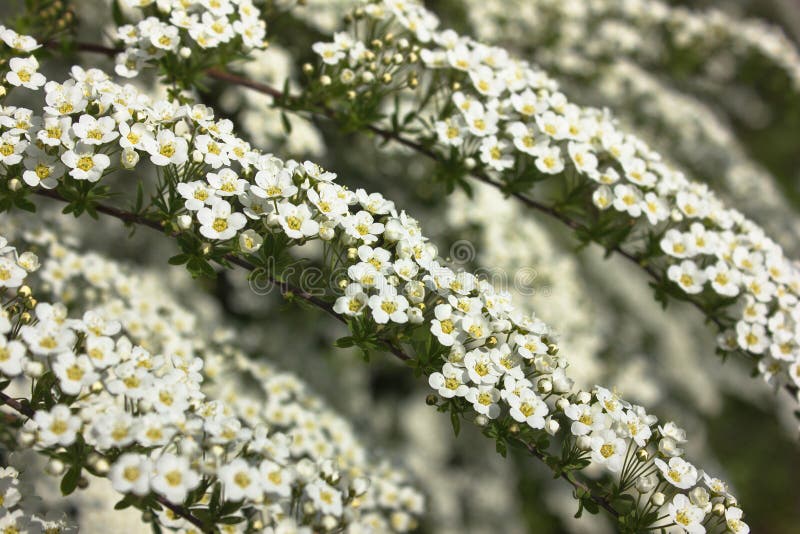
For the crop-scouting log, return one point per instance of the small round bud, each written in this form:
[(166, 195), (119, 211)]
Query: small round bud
[(55, 467), (185, 52), (551, 426), (308, 68), (514, 429), (544, 385), (718, 509), (481, 420), (386, 78), (584, 397), (646, 483), (642, 455), (352, 253), (431, 400), (206, 249), (584, 443), (24, 291), (658, 498), (14, 184), (456, 86), (470, 163), (34, 369), (325, 80), (562, 404), (26, 317)]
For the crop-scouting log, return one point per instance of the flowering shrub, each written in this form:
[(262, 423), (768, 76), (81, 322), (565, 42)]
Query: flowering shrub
[(106, 374)]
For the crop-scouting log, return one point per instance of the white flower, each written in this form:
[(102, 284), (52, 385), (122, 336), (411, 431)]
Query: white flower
[(73, 372), (57, 426), (331, 53), (131, 474), (273, 183), (326, 499), (93, 131), (752, 337), (484, 400), (12, 357), (275, 480), (11, 274), (602, 197), (677, 244), (549, 160), (85, 164), (451, 382), (724, 280), (628, 198), (388, 305), (526, 140), (688, 276), (678, 472), (686, 515), (167, 148), (608, 449), (587, 418), (173, 478), (239, 481), (494, 153), (296, 220), (583, 158), (444, 325), (733, 518), (654, 208), (197, 194), (217, 222), (527, 407), (363, 226), (23, 73), (41, 168), (250, 242), (451, 131), (352, 302), (226, 183), (481, 368)]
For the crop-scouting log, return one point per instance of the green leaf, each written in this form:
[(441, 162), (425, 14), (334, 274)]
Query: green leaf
[(345, 342), (455, 420), (70, 480)]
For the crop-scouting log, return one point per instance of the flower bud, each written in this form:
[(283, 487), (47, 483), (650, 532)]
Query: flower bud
[(658, 498), (551, 426), (584, 397), (34, 369), (562, 404), (718, 509), (360, 485), (185, 52), (544, 385), (481, 420), (325, 80), (55, 467), (584, 443), (646, 483), (14, 184), (184, 221), (415, 316)]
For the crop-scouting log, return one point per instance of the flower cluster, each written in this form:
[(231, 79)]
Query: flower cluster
[(151, 428), (488, 357), (651, 31), (188, 28), (505, 117)]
